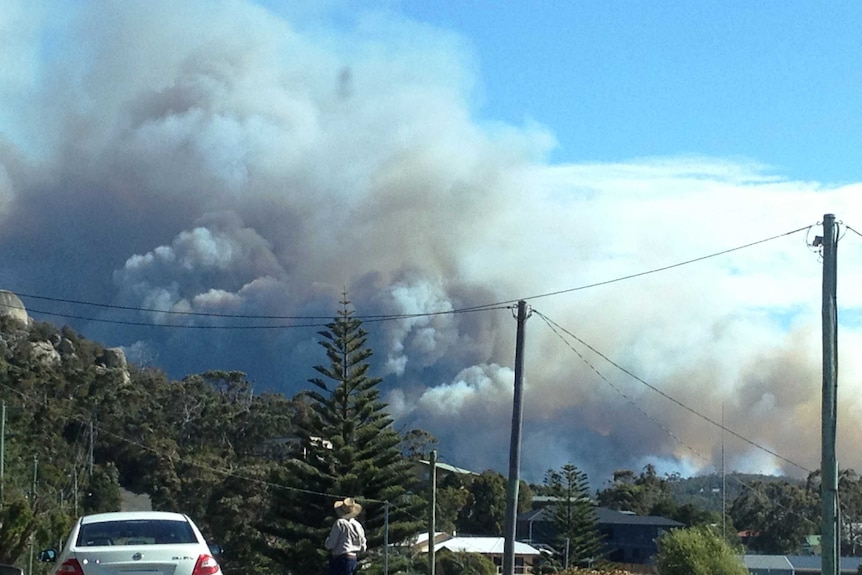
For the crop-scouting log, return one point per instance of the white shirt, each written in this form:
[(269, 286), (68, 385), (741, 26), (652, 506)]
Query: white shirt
[(346, 536)]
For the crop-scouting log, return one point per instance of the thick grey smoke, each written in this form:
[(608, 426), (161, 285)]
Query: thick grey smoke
[(217, 158)]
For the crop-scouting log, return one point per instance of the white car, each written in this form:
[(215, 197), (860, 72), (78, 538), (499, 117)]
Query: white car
[(135, 543)]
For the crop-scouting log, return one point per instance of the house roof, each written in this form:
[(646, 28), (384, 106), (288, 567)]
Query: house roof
[(606, 516), (813, 563), (799, 563), (421, 538), (767, 562), (449, 468), (484, 545)]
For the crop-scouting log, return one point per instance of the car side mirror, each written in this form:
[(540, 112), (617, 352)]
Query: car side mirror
[(47, 555)]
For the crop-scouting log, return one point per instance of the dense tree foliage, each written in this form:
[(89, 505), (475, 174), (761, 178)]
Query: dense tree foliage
[(850, 501), (649, 494), (48, 477), (485, 509), (697, 551), (642, 494), (777, 516), (260, 472), (350, 449), (462, 563), (452, 496), (207, 445)]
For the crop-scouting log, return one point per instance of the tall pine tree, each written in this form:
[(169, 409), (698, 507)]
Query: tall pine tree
[(349, 449), (574, 515)]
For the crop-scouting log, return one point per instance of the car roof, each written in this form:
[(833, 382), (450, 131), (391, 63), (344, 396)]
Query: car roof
[(133, 515)]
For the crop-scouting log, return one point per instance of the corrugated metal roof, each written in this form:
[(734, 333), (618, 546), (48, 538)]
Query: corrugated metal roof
[(450, 468), (778, 563), (813, 563), (798, 564), (485, 545)]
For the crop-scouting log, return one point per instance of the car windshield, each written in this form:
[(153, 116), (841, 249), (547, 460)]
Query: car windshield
[(135, 532)]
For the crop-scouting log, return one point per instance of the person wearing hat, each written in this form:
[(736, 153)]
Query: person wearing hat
[(346, 539)]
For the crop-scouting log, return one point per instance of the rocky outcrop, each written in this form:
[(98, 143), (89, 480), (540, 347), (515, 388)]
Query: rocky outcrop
[(113, 358), (12, 307), (44, 352), (56, 349), (65, 347)]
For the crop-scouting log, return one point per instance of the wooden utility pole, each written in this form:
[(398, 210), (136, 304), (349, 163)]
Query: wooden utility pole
[(829, 528), (515, 447), (432, 512)]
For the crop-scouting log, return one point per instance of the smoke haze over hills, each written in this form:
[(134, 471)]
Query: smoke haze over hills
[(220, 158)]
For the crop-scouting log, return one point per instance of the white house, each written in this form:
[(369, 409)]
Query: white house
[(492, 548)]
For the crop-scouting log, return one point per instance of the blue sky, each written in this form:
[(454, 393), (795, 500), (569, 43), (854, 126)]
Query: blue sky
[(775, 82), (258, 158)]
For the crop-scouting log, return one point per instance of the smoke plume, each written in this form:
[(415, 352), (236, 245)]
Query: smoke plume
[(205, 159)]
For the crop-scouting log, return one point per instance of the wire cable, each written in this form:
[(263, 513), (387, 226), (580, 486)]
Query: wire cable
[(326, 319), (668, 397), (630, 400), (665, 268), (852, 230), (365, 318), (734, 477)]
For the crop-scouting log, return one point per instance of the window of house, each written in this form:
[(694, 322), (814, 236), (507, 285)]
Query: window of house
[(519, 565)]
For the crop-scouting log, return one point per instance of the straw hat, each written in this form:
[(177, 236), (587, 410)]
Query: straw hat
[(347, 508)]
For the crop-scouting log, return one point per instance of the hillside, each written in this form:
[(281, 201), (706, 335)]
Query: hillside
[(705, 491)]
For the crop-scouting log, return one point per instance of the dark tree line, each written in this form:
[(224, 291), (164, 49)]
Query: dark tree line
[(260, 472)]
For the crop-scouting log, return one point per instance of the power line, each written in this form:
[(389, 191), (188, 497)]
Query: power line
[(174, 325), (326, 318), (167, 312), (666, 268), (621, 392), (365, 318), (555, 328), (667, 396), (846, 227)]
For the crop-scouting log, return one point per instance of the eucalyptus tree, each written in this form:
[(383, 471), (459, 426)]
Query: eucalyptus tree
[(644, 494), (780, 513), (484, 512)]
